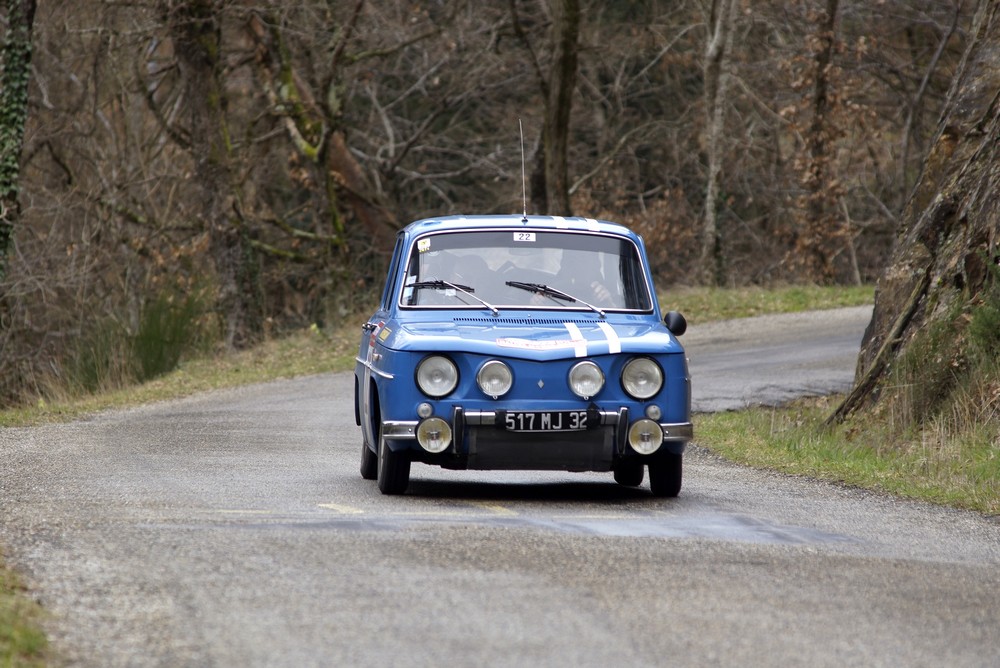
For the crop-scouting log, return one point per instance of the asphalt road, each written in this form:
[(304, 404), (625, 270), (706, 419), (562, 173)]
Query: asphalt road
[(233, 529)]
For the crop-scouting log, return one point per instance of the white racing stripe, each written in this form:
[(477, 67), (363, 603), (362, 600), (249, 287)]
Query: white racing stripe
[(614, 343), (579, 343)]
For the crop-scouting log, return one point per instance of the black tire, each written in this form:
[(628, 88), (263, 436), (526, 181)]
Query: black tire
[(629, 473), (393, 468), (665, 473), (369, 463)]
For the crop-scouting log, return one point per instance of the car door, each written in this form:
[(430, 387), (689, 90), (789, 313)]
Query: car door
[(370, 331)]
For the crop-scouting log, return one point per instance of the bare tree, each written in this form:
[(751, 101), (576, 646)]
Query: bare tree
[(722, 19), (196, 30), (914, 105), (339, 121), (558, 102), (821, 224), (311, 112), (550, 178)]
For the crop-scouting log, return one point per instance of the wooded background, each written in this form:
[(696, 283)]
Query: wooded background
[(243, 166)]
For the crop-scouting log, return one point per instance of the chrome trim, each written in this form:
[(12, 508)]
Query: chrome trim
[(377, 372), (480, 418), (677, 431), (399, 429)]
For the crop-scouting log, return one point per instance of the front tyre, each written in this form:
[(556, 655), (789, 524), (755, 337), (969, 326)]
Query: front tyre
[(393, 468), (629, 473), (369, 462), (665, 474)]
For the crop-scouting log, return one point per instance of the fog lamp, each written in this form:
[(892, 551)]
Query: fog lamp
[(434, 434), (645, 436)]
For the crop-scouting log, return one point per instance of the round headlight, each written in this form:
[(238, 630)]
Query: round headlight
[(645, 436), (642, 378), (495, 379), (434, 434), (437, 376), (586, 379)]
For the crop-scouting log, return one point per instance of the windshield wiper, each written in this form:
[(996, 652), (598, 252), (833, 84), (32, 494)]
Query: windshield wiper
[(465, 289), (441, 285), (549, 291)]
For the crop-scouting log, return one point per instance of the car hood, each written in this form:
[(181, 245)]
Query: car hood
[(531, 338)]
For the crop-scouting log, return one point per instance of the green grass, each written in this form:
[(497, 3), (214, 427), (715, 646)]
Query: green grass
[(22, 643), (700, 305), (929, 464)]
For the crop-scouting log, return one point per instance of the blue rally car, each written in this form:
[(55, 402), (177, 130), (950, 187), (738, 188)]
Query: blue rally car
[(533, 343)]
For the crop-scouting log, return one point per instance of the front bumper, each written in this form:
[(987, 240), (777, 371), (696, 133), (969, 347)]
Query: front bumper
[(615, 423)]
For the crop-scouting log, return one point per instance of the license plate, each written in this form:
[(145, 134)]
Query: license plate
[(545, 420)]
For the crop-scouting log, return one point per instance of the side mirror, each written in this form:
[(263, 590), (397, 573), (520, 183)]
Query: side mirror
[(676, 323)]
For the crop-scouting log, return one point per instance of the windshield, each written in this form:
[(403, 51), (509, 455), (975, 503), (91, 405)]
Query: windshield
[(526, 269)]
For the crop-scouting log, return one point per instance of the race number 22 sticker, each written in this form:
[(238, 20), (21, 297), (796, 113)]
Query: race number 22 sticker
[(528, 237)]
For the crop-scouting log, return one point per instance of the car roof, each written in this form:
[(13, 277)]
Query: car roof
[(486, 222)]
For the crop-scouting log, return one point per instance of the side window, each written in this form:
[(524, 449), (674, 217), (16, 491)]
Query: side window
[(390, 280), (633, 278)]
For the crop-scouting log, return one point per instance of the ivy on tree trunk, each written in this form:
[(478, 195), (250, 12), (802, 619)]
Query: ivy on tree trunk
[(15, 64)]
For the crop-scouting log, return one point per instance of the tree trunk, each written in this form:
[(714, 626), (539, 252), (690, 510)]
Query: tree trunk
[(562, 82), (816, 245), (940, 265), (15, 69), (716, 74), (354, 188), (550, 171), (197, 33)]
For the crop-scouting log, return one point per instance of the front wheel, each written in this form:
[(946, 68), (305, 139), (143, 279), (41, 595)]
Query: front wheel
[(665, 475), (629, 473), (369, 462), (393, 468)]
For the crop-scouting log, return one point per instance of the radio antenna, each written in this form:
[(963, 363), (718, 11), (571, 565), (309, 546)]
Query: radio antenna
[(524, 186)]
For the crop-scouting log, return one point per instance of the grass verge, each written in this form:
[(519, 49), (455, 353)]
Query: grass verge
[(701, 305), (960, 471), (301, 353), (22, 643)]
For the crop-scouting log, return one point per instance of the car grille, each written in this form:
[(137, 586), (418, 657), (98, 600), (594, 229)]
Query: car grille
[(591, 450)]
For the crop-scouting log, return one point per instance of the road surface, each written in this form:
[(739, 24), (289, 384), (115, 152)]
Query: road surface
[(233, 529)]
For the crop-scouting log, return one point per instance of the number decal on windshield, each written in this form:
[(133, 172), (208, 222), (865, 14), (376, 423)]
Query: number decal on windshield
[(524, 237)]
